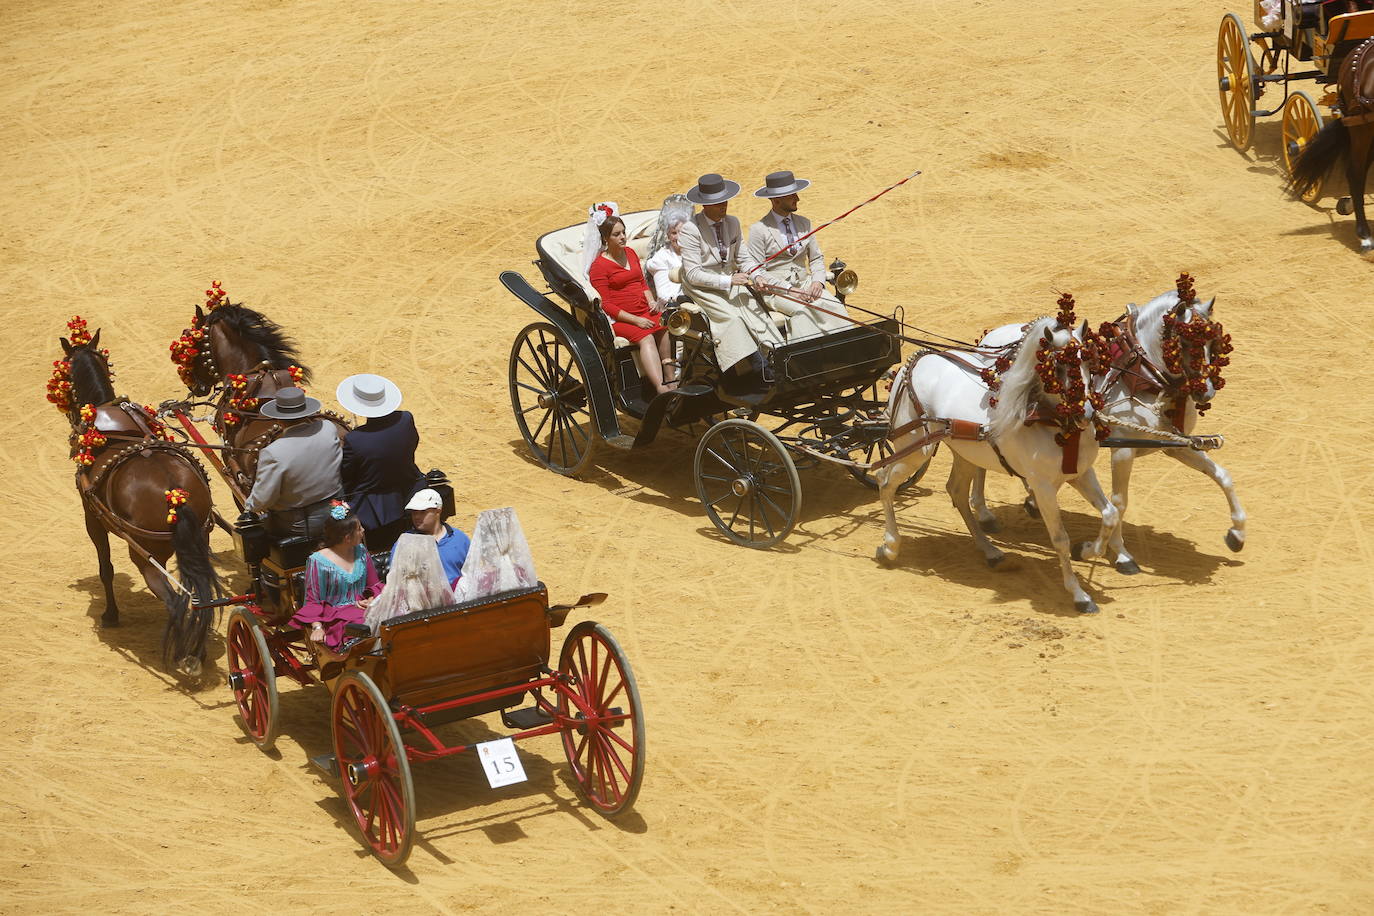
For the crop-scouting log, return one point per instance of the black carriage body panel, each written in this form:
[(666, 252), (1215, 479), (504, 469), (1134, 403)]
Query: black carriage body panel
[(583, 347), (817, 367)]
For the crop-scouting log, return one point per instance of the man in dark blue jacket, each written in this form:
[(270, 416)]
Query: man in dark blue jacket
[(378, 467)]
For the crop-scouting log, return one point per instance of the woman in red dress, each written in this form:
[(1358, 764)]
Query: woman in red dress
[(617, 276)]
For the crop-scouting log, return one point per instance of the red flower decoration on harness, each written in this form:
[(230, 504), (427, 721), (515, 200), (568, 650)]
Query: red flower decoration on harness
[(175, 499), (1195, 350)]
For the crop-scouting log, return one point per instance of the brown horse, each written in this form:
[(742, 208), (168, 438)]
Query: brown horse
[(1350, 136), (140, 486), (247, 358)]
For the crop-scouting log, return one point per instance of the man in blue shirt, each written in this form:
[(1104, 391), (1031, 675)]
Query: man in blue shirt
[(425, 508)]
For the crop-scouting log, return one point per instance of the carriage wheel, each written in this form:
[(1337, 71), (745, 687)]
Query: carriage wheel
[(748, 483), (253, 678), (373, 768), (607, 759), (1236, 81), (1301, 121), (548, 392)]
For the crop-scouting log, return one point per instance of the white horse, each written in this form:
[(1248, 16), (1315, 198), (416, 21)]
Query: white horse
[(941, 396), (1143, 393)]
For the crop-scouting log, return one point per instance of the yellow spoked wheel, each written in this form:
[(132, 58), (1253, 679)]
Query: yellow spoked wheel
[(1301, 121), (1236, 82)]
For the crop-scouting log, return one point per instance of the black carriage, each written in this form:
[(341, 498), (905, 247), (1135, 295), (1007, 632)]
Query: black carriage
[(574, 386), (1297, 41)]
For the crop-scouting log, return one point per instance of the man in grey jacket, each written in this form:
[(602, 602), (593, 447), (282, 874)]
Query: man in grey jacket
[(298, 472)]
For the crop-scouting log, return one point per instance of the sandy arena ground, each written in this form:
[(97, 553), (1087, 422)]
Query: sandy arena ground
[(823, 734)]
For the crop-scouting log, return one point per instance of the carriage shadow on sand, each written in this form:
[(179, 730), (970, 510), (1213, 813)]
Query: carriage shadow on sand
[(660, 474), (452, 798)]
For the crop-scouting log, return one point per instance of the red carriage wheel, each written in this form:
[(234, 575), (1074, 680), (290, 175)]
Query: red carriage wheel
[(1301, 121), (1236, 81), (373, 768), (253, 678), (607, 752)]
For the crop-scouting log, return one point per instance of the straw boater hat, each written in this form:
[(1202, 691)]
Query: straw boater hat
[(780, 184), (712, 189), (290, 404), (368, 395)]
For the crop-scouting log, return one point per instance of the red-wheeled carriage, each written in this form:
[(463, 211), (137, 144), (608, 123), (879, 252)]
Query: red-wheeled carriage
[(393, 690)]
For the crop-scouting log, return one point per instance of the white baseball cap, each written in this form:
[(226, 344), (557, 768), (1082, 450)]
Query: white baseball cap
[(425, 499)]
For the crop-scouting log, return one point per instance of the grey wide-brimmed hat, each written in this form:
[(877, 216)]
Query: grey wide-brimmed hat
[(712, 189), (780, 184), (368, 395), (290, 404)]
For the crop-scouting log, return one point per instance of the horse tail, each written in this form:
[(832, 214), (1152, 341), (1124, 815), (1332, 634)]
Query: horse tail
[(188, 624), (1330, 144)]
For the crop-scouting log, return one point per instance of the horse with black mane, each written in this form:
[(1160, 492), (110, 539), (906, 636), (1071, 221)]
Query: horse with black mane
[(1351, 136), (138, 484), (239, 358)]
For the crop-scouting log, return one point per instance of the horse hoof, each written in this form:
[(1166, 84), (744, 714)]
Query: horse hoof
[(1031, 509), (1234, 542), (1127, 567), (1086, 606), (884, 557), (994, 562), (108, 623), (990, 525)]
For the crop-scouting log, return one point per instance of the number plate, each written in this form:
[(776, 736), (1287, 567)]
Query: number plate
[(500, 762)]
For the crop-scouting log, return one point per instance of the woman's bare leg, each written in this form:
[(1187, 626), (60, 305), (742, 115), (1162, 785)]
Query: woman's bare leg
[(651, 362)]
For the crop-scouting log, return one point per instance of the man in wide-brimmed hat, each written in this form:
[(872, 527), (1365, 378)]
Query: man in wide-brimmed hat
[(298, 472), (711, 276), (378, 470), (797, 263)]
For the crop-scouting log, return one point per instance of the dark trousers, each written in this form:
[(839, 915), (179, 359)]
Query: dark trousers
[(307, 521)]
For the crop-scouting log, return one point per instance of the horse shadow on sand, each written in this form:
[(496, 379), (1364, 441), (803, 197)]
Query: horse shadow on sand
[(1031, 569), (1265, 158), (452, 797), (138, 637)]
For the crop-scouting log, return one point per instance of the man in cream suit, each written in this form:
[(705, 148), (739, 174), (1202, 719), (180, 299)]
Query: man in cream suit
[(800, 268), (711, 276)]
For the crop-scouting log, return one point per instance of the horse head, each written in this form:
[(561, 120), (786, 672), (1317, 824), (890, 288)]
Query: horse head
[(84, 376), (1049, 378), (1195, 348)]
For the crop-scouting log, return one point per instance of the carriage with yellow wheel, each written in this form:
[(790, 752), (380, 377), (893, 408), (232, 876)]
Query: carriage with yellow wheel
[(1295, 41)]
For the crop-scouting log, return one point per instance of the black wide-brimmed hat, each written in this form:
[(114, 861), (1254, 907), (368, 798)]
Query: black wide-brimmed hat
[(290, 404), (780, 184), (712, 189)]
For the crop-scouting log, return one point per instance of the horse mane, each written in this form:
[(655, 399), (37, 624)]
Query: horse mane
[(1149, 324), (274, 347), (1020, 385), (90, 378)]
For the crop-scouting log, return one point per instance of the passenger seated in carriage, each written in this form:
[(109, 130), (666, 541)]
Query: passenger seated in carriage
[(340, 580), (298, 472), (416, 581), (713, 278), (426, 514), (616, 275), (665, 252), (378, 466), (500, 558)]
